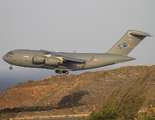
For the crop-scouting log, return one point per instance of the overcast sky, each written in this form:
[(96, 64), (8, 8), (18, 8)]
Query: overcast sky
[(82, 25)]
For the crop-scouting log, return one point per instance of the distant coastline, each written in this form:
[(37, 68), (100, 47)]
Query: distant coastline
[(12, 78)]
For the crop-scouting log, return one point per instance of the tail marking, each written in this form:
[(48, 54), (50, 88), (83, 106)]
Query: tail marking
[(126, 46)]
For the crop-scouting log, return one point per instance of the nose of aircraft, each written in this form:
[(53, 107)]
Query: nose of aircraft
[(4, 57)]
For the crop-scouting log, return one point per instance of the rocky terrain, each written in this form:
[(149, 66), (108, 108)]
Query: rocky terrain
[(72, 94)]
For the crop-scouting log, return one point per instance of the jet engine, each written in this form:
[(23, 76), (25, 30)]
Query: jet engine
[(38, 59), (51, 61)]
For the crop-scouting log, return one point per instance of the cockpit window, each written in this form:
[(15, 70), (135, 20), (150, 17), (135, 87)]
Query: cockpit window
[(10, 53)]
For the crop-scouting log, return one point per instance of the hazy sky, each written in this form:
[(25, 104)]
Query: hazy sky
[(81, 25)]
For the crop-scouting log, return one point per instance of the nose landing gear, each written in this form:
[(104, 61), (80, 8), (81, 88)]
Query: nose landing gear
[(11, 67), (64, 72)]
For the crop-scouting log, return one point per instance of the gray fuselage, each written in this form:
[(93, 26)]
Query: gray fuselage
[(25, 58)]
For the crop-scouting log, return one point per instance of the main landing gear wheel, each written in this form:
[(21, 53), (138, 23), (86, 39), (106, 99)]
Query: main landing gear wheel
[(11, 68), (58, 71), (64, 71)]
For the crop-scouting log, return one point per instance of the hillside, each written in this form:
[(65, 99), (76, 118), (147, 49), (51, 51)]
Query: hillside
[(70, 94)]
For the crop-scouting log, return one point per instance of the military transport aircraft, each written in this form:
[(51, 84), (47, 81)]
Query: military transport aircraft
[(62, 62)]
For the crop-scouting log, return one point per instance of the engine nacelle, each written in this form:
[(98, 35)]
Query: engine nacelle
[(51, 61), (38, 59)]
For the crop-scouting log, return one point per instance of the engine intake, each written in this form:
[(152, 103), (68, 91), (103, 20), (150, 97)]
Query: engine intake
[(38, 59)]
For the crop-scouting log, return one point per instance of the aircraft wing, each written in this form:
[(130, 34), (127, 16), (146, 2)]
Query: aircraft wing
[(75, 59), (67, 57)]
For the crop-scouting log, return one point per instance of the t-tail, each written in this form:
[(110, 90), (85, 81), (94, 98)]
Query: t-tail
[(128, 42)]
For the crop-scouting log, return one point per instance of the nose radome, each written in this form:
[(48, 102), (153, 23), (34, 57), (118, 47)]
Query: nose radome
[(4, 57)]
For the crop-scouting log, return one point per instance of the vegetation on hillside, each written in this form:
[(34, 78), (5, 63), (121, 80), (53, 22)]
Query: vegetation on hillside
[(124, 103)]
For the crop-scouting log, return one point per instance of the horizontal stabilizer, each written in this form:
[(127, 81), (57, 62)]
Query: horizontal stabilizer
[(141, 34)]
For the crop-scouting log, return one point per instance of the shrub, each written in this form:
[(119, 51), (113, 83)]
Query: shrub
[(147, 117), (103, 114)]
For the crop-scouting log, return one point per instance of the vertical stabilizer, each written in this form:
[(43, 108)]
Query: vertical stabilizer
[(128, 42)]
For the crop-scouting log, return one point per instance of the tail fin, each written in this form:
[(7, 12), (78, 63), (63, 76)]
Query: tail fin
[(128, 42)]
